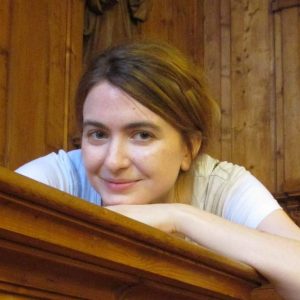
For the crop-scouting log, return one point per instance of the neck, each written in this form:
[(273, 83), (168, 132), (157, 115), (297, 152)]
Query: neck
[(183, 190)]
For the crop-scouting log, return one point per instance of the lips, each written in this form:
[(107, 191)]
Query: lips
[(119, 185)]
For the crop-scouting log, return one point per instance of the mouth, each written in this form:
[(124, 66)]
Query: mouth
[(119, 185)]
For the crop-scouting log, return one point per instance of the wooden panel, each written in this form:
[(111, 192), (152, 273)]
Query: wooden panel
[(179, 22), (28, 80), (283, 4), (73, 71), (251, 89), (226, 134), (279, 104), (36, 79), (58, 31), (291, 94), (186, 31), (38, 73), (4, 53), (91, 252), (291, 204), (258, 56), (159, 23), (212, 61)]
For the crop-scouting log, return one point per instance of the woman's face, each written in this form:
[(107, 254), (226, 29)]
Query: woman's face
[(131, 155)]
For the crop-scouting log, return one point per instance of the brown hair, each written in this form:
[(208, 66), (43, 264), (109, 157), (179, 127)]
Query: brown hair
[(158, 76)]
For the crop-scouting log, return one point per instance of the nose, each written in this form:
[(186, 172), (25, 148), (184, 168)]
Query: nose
[(117, 156)]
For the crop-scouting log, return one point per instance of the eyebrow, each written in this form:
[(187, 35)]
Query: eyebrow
[(132, 125)]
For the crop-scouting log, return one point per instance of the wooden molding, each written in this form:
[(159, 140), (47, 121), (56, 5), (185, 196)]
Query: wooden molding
[(56, 246), (278, 5)]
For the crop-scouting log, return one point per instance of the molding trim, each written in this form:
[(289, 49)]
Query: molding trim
[(278, 5)]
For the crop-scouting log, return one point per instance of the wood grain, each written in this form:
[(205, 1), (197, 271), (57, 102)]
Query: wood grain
[(226, 132), (279, 105), (35, 76), (212, 62), (74, 67), (251, 94), (291, 93), (4, 57)]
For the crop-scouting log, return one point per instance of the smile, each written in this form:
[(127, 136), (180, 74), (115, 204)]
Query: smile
[(119, 185)]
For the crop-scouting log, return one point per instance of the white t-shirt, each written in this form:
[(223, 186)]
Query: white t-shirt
[(221, 188), (231, 192)]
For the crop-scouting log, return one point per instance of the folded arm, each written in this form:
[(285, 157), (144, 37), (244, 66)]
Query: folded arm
[(273, 249)]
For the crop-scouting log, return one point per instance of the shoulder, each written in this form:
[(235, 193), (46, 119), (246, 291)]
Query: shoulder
[(213, 179), (210, 167), (54, 169), (52, 159), (230, 191), (64, 171)]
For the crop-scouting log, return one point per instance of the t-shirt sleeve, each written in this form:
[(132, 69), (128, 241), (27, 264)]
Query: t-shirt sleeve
[(53, 169), (248, 202)]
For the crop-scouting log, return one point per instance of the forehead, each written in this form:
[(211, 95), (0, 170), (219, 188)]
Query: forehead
[(106, 101)]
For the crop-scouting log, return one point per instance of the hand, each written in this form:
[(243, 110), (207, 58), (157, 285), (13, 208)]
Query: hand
[(160, 216)]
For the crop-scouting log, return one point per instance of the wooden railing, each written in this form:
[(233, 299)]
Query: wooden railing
[(55, 246)]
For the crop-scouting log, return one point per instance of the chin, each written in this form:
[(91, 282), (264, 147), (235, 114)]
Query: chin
[(119, 201), (122, 201)]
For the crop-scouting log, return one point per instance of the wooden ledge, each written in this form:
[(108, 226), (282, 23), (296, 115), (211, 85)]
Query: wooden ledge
[(58, 246)]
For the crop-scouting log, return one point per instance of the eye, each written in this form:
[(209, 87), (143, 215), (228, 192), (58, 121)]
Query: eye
[(97, 135), (143, 136)]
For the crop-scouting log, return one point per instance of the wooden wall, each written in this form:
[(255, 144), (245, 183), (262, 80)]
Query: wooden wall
[(239, 63), (255, 72), (249, 50), (180, 22), (40, 59), (287, 63), (252, 60)]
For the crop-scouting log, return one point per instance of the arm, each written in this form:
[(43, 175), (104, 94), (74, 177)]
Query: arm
[(274, 254), (273, 249)]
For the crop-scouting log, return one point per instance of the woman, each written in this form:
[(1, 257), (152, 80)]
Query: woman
[(146, 119)]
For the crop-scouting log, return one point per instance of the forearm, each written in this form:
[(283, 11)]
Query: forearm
[(277, 258)]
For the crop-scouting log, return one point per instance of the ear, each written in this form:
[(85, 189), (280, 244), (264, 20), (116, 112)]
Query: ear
[(189, 156)]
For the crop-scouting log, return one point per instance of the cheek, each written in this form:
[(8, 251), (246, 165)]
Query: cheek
[(91, 158), (160, 161)]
